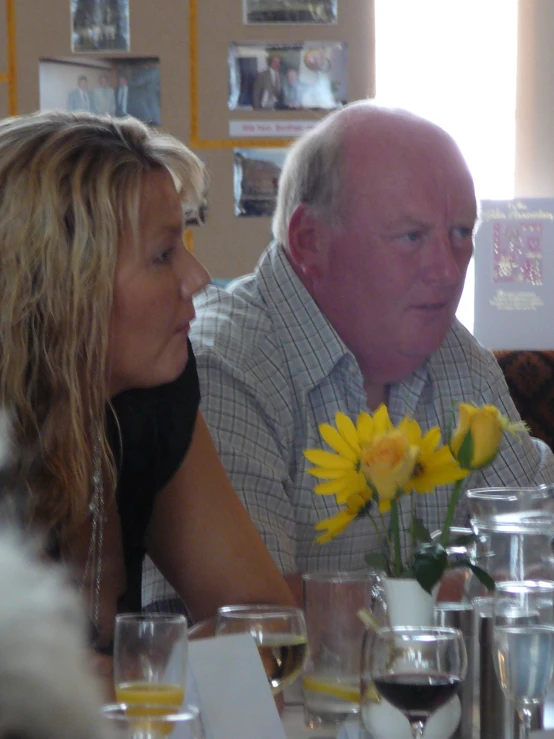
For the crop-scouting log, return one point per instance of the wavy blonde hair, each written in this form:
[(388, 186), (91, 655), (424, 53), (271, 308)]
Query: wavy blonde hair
[(69, 185)]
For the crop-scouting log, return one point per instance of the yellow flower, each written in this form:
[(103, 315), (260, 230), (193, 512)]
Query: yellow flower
[(387, 461), (477, 438), (336, 524), (434, 466), (341, 470)]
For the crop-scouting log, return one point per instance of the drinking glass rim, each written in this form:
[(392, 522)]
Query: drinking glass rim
[(262, 610), (175, 618), (169, 713), (446, 632), (340, 576), (531, 586), (509, 493)]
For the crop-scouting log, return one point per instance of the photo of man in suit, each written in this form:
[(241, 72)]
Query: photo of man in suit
[(79, 99), (267, 87), (122, 96), (103, 97)]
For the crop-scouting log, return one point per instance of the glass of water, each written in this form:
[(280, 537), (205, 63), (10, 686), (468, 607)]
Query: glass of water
[(524, 644)]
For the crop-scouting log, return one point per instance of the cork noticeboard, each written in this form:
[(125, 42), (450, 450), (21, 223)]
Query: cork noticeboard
[(191, 40)]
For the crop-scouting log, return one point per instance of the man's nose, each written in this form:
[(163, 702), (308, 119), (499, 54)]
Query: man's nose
[(442, 265)]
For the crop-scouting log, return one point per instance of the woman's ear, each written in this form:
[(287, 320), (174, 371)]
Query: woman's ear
[(305, 241)]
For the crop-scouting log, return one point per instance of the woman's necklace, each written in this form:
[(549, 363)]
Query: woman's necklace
[(93, 565)]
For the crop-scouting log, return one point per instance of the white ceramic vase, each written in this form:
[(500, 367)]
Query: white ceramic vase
[(409, 605)]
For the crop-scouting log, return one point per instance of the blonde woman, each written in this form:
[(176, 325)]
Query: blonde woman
[(112, 457)]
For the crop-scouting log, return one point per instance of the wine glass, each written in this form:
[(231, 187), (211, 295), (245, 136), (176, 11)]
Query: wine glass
[(417, 669), (524, 644), (280, 635), (150, 659), (153, 722)]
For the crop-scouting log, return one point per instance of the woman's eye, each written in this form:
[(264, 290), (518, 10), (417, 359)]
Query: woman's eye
[(164, 257)]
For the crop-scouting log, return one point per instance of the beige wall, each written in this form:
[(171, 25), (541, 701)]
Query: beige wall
[(535, 100), (184, 33)]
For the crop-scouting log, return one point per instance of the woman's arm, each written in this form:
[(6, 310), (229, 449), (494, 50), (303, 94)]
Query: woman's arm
[(203, 541)]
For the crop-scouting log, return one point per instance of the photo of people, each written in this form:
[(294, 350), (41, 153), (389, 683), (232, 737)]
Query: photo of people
[(117, 86), (99, 25), (256, 176), (290, 11), (310, 75)]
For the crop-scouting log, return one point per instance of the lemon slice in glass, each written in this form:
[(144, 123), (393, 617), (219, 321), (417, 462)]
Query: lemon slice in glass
[(332, 688)]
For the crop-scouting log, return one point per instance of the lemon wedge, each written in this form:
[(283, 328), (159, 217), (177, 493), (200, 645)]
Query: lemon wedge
[(367, 619), (343, 692), (332, 688)]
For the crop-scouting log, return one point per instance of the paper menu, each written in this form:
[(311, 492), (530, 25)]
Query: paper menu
[(514, 274), (228, 683)]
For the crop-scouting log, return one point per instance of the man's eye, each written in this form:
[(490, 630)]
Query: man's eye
[(463, 232), (414, 236)]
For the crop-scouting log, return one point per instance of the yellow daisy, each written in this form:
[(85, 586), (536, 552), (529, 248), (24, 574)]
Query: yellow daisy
[(435, 465), (336, 524), (342, 468)]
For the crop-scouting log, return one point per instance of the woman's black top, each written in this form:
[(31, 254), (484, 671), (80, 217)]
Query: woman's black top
[(156, 426)]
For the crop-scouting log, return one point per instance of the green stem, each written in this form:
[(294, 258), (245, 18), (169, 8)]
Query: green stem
[(382, 543), (412, 536), (451, 510), (396, 537), (386, 536)]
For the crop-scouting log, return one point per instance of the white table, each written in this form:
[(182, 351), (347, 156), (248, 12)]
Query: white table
[(295, 728)]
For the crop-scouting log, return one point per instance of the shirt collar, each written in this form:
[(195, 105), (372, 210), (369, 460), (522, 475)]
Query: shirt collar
[(313, 345)]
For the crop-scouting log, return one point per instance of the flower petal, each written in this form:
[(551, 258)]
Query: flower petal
[(365, 427), (336, 442), (332, 461), (347, 430), (334, 526)]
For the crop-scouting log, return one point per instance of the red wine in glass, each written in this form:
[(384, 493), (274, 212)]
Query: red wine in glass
[(417, 694)]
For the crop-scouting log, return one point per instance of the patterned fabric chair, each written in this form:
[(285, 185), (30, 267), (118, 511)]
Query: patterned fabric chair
[(530, 378)]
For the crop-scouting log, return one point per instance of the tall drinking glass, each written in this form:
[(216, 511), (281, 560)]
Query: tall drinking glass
[(153, 722), (279, 633), (524, 644), (417, 669), (150, 659)]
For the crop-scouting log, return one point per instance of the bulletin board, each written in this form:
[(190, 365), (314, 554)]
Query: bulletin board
[(194, 42)]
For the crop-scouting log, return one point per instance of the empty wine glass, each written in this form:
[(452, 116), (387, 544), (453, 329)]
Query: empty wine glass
[(153, 722), (150, 659), (280, 635), (417, 669), (524, 644)]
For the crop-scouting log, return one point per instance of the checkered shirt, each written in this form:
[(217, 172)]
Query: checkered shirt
[(272, 369)]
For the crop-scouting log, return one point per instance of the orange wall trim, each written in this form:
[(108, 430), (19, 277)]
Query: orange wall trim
[(12, 63)]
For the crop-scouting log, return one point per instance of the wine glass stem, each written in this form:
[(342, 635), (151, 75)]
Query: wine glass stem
[(525, 716), (418, 727)]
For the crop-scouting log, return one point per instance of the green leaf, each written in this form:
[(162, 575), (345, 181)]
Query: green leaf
[(462, 540), (429, 563), (378, 561), (420, 531), (483, 577), (465, 454)]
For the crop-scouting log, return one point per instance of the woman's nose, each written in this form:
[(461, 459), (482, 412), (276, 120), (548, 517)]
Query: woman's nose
[(194, 276)]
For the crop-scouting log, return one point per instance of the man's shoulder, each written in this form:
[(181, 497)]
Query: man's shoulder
[(233, 323), (462, 354)]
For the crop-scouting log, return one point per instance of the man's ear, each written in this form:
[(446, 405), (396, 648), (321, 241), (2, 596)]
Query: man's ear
[(305, 240)]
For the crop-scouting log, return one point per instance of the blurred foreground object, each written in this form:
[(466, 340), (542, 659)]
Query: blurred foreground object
[(46, 689)]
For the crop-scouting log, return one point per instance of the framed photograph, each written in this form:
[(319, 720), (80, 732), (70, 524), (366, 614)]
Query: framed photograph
[(117, 86), (308, 75), (256, 177), (290, 11), (99, 25)]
